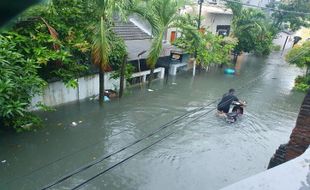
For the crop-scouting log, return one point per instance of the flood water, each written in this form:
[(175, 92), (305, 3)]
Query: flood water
[(195, 151)]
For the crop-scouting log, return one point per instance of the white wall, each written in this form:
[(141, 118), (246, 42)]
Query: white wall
[(291, 175), (212, 20), (57, 93), (209, 22)]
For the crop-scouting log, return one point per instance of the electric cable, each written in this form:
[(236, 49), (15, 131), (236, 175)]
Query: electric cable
[(146, 136), (127, 158), (268, 8)]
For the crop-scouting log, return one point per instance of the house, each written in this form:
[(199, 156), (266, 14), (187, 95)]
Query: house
[(215, 18), (137, 35)]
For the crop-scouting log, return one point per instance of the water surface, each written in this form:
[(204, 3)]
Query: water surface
[(203, 151)]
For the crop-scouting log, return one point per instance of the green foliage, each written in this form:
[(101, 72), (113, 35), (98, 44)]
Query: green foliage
[(300, 56), (49, 41), (235, 6), (19, 82), (57, 37), (302, 83), (129, 70), (161, 15), (116, 57), (254, 32), (208, 48), (293, 19), (27, 122)]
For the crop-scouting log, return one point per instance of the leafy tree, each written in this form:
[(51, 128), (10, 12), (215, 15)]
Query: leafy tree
[(209, 48), (254, 32), (235, 6), (292, 13), (49, 41), (56, 46), (300, 56), (19, 82)]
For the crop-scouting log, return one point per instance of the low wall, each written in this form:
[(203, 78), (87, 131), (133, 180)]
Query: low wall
[(292, 175), (299, 139), (57, 93)]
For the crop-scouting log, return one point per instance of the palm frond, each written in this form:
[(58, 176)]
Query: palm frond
[(101, 48)]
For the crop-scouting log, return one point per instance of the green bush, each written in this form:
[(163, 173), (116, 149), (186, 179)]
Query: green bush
[(19, 82), (302, 83)]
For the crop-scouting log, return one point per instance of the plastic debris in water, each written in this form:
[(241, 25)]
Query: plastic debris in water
[(150, 90), (80, 121), (106, 99), (74, 123), (229, 71), (174, 83), (3, 161)]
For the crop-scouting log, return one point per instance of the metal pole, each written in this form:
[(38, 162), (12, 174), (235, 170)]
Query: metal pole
[(284, 44), (199, 22), (139, 66), (199, 17)]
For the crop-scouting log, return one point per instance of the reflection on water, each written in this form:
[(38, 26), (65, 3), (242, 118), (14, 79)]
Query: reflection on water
[(204, 151)]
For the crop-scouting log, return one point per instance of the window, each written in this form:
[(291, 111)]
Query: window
[(223, 30)]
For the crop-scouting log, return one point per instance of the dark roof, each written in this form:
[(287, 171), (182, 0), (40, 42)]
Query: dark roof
[(129, 31)]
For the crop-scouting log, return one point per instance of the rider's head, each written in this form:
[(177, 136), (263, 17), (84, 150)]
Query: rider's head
[(231, 91)]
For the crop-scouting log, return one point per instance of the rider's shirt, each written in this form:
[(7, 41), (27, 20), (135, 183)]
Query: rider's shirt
[(226, 101)]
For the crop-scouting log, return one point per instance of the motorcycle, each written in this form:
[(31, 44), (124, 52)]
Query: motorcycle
[(236, 112)]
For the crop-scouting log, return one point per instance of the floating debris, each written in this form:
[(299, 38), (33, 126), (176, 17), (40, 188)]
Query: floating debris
[(174, 83), (3, 161), (150, 90), (106, 98), (27, 126), (74, 123), (80, 121)]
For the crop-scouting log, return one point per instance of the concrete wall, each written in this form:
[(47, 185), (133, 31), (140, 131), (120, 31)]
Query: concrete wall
[(57, 93), (292, 175), (299, 139), (211, 21)]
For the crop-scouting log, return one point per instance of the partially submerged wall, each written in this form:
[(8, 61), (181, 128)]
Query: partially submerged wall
[(57, 93), (299, 139)]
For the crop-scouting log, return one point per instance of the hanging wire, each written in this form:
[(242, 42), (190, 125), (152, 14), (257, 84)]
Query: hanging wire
[(81, 169), (268, 8)]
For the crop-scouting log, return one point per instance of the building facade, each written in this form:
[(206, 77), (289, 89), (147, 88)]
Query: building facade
[(215, 18)]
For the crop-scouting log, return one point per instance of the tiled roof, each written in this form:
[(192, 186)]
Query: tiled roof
[(129, 31)]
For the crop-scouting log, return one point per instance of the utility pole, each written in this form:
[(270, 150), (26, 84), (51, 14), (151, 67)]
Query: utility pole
[(284, 44), (200, 2)]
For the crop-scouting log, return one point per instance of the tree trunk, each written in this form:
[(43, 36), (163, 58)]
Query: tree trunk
[(235, 58), (139, 69), (151, 77), (122, 78), (101, 85)]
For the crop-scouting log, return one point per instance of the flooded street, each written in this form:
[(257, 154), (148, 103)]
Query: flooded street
[(166, 139)]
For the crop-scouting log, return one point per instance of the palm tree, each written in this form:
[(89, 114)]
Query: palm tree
[(161, 15), (107, 9)]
